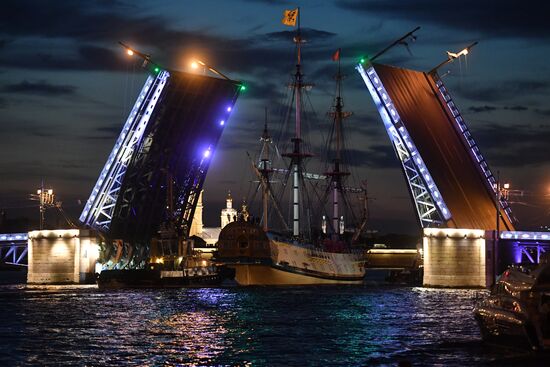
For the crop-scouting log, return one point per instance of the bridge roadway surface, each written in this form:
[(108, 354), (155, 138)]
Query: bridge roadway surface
[(443, 149)]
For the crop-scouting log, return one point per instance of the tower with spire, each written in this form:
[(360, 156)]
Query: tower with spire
[(229, 214)]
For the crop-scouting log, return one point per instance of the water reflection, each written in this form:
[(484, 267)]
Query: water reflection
[(240, 326)]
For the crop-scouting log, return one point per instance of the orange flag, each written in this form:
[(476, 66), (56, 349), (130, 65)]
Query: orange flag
[(290, 17)]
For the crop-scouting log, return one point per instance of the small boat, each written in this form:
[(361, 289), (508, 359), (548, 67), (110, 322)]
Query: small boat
[(184, 268), (517, 312), (158, 278)]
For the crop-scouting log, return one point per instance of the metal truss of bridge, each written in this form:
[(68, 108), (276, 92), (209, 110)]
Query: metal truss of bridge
[(159, 162), (525, 247), (447, 176), (13, 248)]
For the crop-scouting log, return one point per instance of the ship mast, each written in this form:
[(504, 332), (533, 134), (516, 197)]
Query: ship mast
[(265, 170), (336, 175), (297, 155)]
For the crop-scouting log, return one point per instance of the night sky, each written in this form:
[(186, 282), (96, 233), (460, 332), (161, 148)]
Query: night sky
[(66, 87)]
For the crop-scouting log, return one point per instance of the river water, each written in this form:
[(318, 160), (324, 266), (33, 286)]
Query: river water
[(255, 326)]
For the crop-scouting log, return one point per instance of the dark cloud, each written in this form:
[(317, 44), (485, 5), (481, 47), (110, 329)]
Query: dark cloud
[(486, 108), (515, 145), (504, 18), (376, 156), (3, 103), (41, 88), (516, 108), (505, 91), (36, 171), (271, 2), (3, 43), (98, 137), (91, 24), (365, 125), (309, 34), (327, 72), (111, 130), (72, 164), (97, 27), (86, 57), (89, 21), (228, 182), (266, 90), (477, 109), (543, 112), (43, 134)]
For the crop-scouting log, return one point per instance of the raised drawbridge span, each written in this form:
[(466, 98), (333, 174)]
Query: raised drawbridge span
[(448, 178), (156, 169)]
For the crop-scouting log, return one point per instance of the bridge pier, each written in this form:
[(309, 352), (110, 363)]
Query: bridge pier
[(464, 257), (457, 258), (63, 256)]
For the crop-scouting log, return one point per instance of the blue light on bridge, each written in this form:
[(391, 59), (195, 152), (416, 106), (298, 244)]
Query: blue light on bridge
[(99, 208)]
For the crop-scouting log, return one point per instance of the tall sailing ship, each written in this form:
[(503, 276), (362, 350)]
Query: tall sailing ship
[(299, 254)]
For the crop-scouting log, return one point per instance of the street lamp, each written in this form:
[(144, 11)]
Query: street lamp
[(505, 191), (131, 52), (452, 56), (46, 198), (195, 64), (146, 58), (500, 193)]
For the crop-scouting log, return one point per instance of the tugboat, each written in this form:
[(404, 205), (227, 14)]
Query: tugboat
[(172, 261), (312, 250), (517, 312), (184, 268)]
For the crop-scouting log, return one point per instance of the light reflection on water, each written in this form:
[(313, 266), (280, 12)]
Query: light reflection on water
[(345, 326)]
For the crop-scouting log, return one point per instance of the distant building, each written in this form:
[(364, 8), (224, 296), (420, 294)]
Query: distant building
[(210, 235), (229, 214), (197, 225)]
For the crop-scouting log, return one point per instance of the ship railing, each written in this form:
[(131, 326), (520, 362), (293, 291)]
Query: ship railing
[(317, 252)]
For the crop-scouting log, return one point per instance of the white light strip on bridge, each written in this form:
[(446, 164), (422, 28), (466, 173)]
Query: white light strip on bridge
[(13, 237), (392, 123), (54, 233), (454, 232), (393, 251), (521, 235), (104, 194), (461, 124)]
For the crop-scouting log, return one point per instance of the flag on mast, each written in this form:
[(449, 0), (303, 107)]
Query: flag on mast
[(290, 17), (336, 55)]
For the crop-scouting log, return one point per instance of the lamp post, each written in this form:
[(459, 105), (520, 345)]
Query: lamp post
[(45, 198), (500, 192), (195, 64), (452, 56)]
